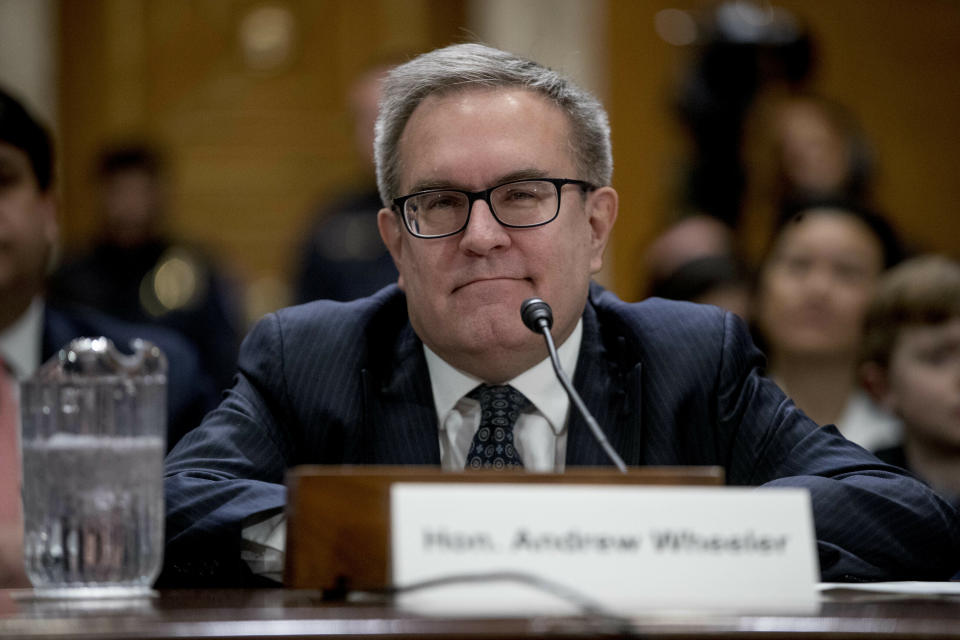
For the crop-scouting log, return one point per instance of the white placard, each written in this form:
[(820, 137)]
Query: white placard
[(630, 549)]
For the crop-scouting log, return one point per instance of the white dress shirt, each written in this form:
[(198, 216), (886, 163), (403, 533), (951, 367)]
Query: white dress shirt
[(867, 424), (540, 435), (21, 342)]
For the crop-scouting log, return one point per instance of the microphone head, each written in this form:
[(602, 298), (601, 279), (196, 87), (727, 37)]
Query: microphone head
[(536, 314)]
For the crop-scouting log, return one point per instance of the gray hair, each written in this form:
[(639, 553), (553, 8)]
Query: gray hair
[(465, 66)]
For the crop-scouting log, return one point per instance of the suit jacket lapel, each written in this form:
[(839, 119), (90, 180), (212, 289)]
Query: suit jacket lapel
[(401, 419), (401, 425), (609, 382)]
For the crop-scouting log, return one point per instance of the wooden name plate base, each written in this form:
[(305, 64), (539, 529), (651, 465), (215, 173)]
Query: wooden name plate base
[(338, 518)]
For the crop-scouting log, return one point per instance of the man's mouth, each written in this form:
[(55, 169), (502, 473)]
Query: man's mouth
[(489, 280)]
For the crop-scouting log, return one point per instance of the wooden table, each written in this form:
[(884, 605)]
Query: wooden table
[(303, 614)]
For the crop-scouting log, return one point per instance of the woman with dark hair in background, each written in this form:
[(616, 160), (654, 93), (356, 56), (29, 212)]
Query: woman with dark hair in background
[(812, 295)]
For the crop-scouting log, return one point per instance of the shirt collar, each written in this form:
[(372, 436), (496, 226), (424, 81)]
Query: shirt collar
[(538, 383), (20, 343)]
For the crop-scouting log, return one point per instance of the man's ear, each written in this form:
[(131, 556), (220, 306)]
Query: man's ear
[(391, 232), (873, 378), (601, 210)]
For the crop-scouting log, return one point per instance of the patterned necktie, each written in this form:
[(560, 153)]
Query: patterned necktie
[(492, 446)]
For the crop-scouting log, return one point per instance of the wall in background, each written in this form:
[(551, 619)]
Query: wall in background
[(255, 144), (892, 63), (28, 60), (248, 98)]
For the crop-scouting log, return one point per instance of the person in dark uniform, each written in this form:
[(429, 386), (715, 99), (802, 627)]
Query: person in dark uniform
[(343, 257), (136, 273)]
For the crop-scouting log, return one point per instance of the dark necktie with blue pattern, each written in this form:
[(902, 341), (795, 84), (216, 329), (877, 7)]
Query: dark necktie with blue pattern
[(492, 446)]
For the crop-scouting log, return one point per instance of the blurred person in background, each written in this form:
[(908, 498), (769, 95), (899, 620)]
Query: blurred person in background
[(742, 49), (343, 257), (801, 147), (812, 296), (911, 366), (33, 330), (720, 280), (695, 260), (820, 152), (135, 272)]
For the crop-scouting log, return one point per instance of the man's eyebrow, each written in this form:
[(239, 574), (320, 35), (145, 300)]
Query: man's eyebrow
[(521, 174), (430, 185)]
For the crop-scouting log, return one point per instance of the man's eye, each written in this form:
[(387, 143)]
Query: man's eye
[(521, 194), (520, 197), (442, 202)]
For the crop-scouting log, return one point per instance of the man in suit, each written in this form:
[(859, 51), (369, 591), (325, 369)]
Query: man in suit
[(32, 331), (495, 174)]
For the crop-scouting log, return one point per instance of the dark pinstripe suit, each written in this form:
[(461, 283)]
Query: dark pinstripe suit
[(671, 384)]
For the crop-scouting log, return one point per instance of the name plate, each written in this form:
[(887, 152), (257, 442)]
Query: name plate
[(505, 549)]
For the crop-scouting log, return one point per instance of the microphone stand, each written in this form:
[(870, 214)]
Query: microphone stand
[(538, 317)]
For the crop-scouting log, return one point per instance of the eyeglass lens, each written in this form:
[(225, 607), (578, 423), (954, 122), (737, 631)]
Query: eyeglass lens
[(519, 204)]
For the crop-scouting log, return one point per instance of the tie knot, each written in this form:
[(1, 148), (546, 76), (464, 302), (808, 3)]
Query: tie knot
[(500, 399)]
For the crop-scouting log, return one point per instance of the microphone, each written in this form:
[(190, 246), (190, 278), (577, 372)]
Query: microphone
[(538, 317)]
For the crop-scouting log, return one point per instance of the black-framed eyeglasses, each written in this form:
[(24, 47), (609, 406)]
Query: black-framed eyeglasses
[(518, 204)]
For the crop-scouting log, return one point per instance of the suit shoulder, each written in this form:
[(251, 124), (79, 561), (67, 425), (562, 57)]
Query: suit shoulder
[(670, 331), (335, 318), (656, 318), (328, 328)]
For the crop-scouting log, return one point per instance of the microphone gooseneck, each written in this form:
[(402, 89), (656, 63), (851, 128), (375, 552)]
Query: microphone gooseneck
[(538, 317)]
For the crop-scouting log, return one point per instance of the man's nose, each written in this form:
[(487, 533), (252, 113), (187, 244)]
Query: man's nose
[(484, 232)]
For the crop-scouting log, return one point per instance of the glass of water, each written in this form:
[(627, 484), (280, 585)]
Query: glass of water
[(93, 441)]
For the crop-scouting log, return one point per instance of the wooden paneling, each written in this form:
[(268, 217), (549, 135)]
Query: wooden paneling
[(893, 63), (647, 138), (250, 150)]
